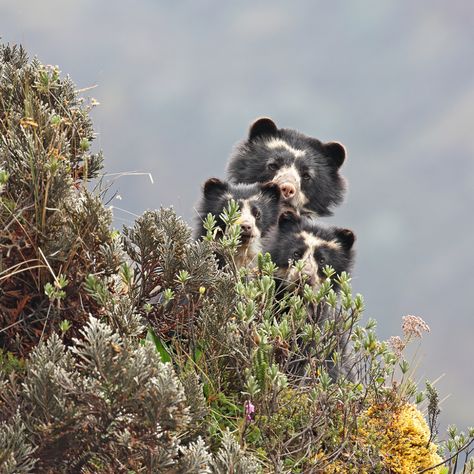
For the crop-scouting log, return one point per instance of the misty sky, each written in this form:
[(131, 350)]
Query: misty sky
[(179, 83)]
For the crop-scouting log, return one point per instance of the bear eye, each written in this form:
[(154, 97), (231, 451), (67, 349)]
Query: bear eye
[(257, 214), (306, 176), (297, 255), (322, 260), (273, 166)]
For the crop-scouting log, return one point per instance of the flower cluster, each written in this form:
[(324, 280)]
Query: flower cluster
[(249, 410), (414, 326), (397, 345)]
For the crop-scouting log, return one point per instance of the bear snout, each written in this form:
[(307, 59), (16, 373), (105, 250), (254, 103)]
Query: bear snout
[(288, 190)]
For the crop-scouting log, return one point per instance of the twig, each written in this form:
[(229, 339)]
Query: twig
[(459, 451)]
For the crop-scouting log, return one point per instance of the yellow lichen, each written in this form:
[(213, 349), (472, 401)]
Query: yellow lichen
[(403, 436)]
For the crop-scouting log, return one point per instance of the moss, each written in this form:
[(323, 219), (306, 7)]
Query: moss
[(403, 437), (9, 363)]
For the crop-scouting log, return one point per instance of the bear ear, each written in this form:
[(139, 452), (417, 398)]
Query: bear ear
[(288, 219), (336, 152), (262, 127), (345, 237), (214, 187), (272, 191)]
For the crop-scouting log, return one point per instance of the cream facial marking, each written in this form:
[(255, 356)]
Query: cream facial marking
[(310, 265), (274, 143), (247, 218), (290, 175), (247, 252), (312, 242)]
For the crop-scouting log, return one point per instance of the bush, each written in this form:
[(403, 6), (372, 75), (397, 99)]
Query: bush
[(53, 231), (103, 405)]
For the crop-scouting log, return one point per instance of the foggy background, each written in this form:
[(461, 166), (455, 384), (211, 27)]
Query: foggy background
[(179, 83)]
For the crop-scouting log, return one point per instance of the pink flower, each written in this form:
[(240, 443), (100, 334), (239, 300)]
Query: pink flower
[(414, 326), (249, 409), (397, 345)]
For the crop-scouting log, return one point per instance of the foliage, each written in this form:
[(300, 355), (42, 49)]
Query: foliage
[(53, 231), (137, 352), (102, 405)]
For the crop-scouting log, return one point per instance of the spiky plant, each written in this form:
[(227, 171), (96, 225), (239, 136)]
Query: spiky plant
[(102, 404)]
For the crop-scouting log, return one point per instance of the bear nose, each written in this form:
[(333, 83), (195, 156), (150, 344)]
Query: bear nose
[(288, 190), (246, 228)]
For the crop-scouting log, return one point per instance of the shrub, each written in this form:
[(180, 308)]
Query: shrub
[(53, 231), (102, 405)]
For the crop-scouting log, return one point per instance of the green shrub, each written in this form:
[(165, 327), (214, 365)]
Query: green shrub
[(103, 404), (53, 231)]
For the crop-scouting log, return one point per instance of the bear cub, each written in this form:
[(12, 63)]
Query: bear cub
[(259, 206), (296, 238), (306, 169)]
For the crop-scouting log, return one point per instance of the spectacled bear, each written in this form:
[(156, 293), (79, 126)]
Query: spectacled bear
[(306, 169), (259, 206), (297, 238)]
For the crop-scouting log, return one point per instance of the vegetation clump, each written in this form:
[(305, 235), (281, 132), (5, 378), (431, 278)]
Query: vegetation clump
[(135, 351), (53, 231), (403, 437)]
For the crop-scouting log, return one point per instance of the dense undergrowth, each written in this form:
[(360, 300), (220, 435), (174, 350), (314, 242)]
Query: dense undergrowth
[(133, 352)]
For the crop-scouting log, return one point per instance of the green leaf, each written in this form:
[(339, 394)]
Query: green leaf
[(159, 345), (198, 352)]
